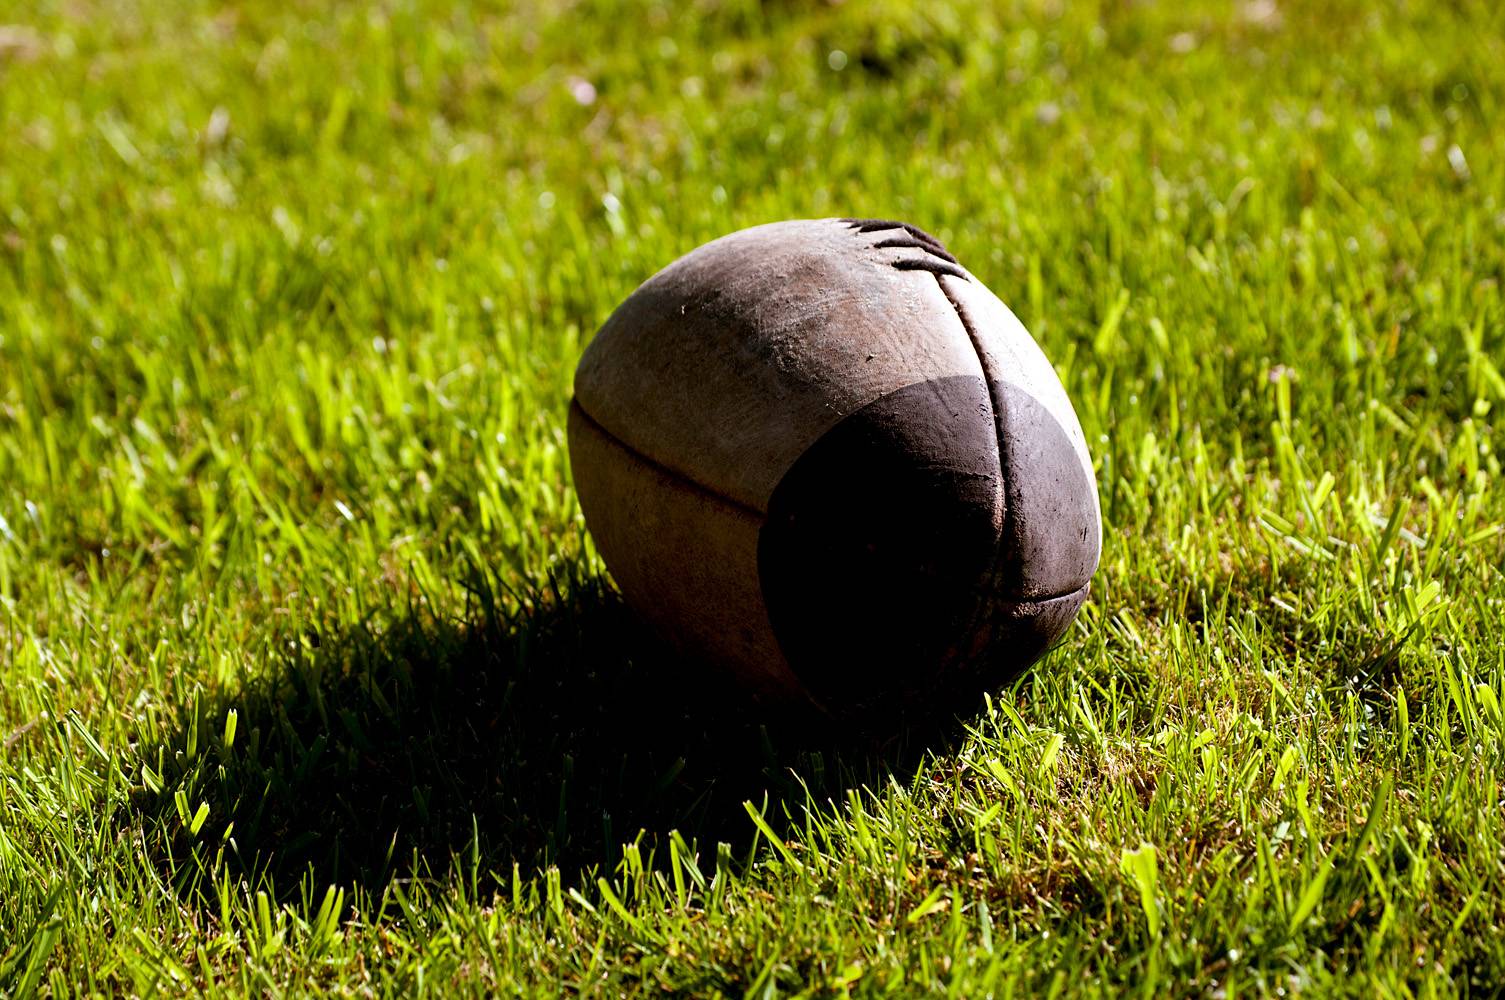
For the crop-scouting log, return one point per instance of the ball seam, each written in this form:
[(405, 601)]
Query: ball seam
[(667, 470)]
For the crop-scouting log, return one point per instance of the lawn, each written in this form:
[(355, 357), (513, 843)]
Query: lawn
[(311, 679)]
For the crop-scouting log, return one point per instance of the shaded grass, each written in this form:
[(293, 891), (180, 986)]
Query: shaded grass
[(550, 735)]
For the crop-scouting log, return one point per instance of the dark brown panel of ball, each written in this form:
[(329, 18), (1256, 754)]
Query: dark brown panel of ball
[(1051, 536), (1011, 637), (877, 558)]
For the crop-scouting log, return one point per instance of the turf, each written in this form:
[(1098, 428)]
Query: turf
[(310, 678)]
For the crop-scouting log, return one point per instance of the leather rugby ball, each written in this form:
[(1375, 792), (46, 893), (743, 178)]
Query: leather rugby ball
[(823, 456)]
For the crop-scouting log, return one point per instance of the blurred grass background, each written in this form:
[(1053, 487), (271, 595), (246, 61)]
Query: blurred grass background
[(303, 644)]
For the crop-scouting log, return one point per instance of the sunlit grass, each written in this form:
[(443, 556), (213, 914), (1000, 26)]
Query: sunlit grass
[(310, 677)]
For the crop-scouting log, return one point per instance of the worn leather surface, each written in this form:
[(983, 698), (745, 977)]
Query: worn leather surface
[(823, 455), (731, 361)]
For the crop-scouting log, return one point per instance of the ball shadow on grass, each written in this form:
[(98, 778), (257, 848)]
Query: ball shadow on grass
[(547, 736)]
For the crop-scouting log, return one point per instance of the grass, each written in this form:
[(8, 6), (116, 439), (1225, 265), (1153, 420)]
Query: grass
[(310, 679)]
